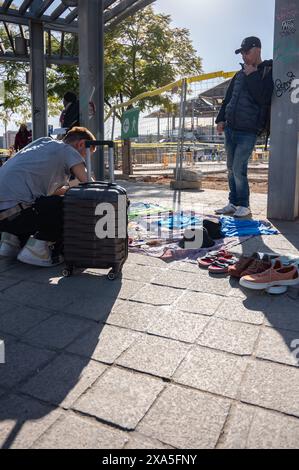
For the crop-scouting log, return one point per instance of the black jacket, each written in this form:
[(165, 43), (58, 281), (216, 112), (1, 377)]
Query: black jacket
[(247, 102), (71, 116)]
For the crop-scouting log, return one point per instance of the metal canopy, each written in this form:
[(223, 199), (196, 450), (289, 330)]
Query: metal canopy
[(62, 15), (56, 16)]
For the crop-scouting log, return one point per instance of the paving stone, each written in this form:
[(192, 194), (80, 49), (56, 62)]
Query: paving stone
[(139, 441), (95, 308), (174, 279), (279, 346), (252, 428), (186, 419), (233, 337), (178, 325), (23, 420), (211, 371), (6, 305), (17, 320), (144, 260), (64, 380), (133, 315), (120, 397), (52, 296), (21, 361), (157, 295), (248, 311), (183, 266), (272, 386), (283, 313), (74, 432), (56, 332), (154, 355), (104, 343), (196, 302), (136, 272), (35, 274), (211, 284), (6, 264), (6, 282)]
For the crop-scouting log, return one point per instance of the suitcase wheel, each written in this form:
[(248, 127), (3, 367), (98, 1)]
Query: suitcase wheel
[(68, 271), (112, 275)]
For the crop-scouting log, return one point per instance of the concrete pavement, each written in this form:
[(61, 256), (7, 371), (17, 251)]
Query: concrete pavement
[(166, 357)]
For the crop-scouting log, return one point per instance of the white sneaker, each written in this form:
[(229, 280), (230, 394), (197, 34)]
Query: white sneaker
[(229, 209), (242, 211), (39, 253), (10, 245)]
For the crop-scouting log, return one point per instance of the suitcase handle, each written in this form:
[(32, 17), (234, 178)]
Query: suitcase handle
[(99, 143), (98, 183)]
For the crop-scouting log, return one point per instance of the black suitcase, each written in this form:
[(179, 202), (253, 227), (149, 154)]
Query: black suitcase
[(96, 222)]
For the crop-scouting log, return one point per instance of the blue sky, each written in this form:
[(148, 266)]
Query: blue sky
[(217, 27)]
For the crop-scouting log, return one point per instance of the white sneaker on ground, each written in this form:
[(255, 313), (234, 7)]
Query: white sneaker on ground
[(242, 211), (39, 253), (229, 209), (10, 245)]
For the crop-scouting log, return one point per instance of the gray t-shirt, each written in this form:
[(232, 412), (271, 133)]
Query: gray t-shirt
[(37, 170)]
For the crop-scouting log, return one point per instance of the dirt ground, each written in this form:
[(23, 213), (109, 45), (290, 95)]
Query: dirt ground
[(214, 183)]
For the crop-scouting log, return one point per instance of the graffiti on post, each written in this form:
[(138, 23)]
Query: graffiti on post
[(281, 87), (288, 27)]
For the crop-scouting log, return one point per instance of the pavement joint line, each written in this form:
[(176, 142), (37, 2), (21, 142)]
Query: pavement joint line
[(225, 425)]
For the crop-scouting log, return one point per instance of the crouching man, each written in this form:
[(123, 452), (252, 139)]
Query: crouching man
[(31, 206)]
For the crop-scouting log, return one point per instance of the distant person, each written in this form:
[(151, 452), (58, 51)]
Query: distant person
[(243, 116), (70, 116), (23, 138)]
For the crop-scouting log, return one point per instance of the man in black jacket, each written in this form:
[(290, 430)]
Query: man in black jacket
[(70, 115), (243, 116)]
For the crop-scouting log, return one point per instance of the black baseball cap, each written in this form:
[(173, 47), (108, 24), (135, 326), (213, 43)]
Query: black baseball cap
[(249, 43)]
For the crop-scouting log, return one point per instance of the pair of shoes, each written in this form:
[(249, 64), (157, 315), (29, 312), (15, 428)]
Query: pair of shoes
[(222, 256), (236, 211), (10, 245), (226, 210), (242, 212), (277, 275), (40, 253), (248, 265), (221, 267)]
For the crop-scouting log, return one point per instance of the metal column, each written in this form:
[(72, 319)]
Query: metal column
[(91, 65), (38, 87), (283, 198)]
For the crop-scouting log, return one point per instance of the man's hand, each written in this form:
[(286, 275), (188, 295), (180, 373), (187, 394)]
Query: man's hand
[(220, 127), (249, 69)]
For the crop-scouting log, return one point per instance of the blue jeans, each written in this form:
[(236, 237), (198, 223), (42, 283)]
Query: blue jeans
[(239, 146)]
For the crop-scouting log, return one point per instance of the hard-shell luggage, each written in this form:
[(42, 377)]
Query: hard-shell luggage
[(96, 222)]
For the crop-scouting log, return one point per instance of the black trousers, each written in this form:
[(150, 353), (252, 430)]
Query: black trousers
[(44, 220)]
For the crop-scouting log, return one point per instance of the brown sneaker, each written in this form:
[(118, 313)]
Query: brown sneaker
[(258, 266), (237, 269), (283, 276)]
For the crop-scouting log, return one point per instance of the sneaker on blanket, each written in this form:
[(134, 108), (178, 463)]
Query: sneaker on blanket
[(10, 245), (242, 211), (229, 209), (40, 253)]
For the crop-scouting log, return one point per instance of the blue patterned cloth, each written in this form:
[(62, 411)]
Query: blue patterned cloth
[(231, 227)]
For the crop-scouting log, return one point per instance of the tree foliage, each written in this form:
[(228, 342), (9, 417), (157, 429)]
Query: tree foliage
[(141, 54)]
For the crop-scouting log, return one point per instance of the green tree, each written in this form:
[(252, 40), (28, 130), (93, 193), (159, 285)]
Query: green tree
[(141, 54), (144, 53)]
